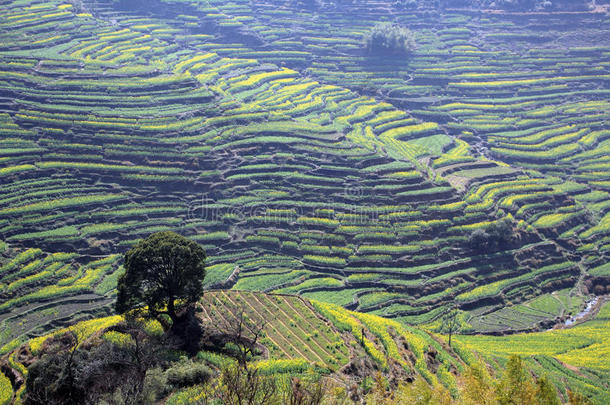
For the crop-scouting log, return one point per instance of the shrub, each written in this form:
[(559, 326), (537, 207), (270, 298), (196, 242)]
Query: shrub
[(52, 380), (6, 390), (124, 365), (188, 373), (390, 38), (497, 235)]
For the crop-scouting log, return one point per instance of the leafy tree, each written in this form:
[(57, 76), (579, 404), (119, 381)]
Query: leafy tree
[(479, 239), (501, 232), (160, 271), (516, 386), (575, 398), (497, 235), (421, 393), (387, 38), (546, 393), (476, 387)]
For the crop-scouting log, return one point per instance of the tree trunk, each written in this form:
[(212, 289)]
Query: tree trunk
[(171, 310)]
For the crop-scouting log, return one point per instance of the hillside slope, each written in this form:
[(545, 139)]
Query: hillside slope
[(302, 335)]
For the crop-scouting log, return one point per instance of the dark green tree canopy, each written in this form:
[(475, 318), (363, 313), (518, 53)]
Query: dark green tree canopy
[(388, 38), (161, 271)]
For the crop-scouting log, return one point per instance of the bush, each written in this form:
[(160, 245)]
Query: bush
[(387, 38), (124, 370), (6, 390), (497, 235), (188, 373), (52, 380), (479, 239)]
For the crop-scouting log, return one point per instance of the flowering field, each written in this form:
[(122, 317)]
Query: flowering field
[(265, 132), (584, 347)]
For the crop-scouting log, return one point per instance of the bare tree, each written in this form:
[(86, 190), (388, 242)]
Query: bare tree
[(243, 332), (304, 392), (243, 384), (247, 386), (52, 379), (133, 358), (450, 323)]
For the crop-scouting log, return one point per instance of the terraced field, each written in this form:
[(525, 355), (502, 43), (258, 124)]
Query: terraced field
[(41, 291), (293, 328), (303, 165), (583, 348), (541, 312)]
